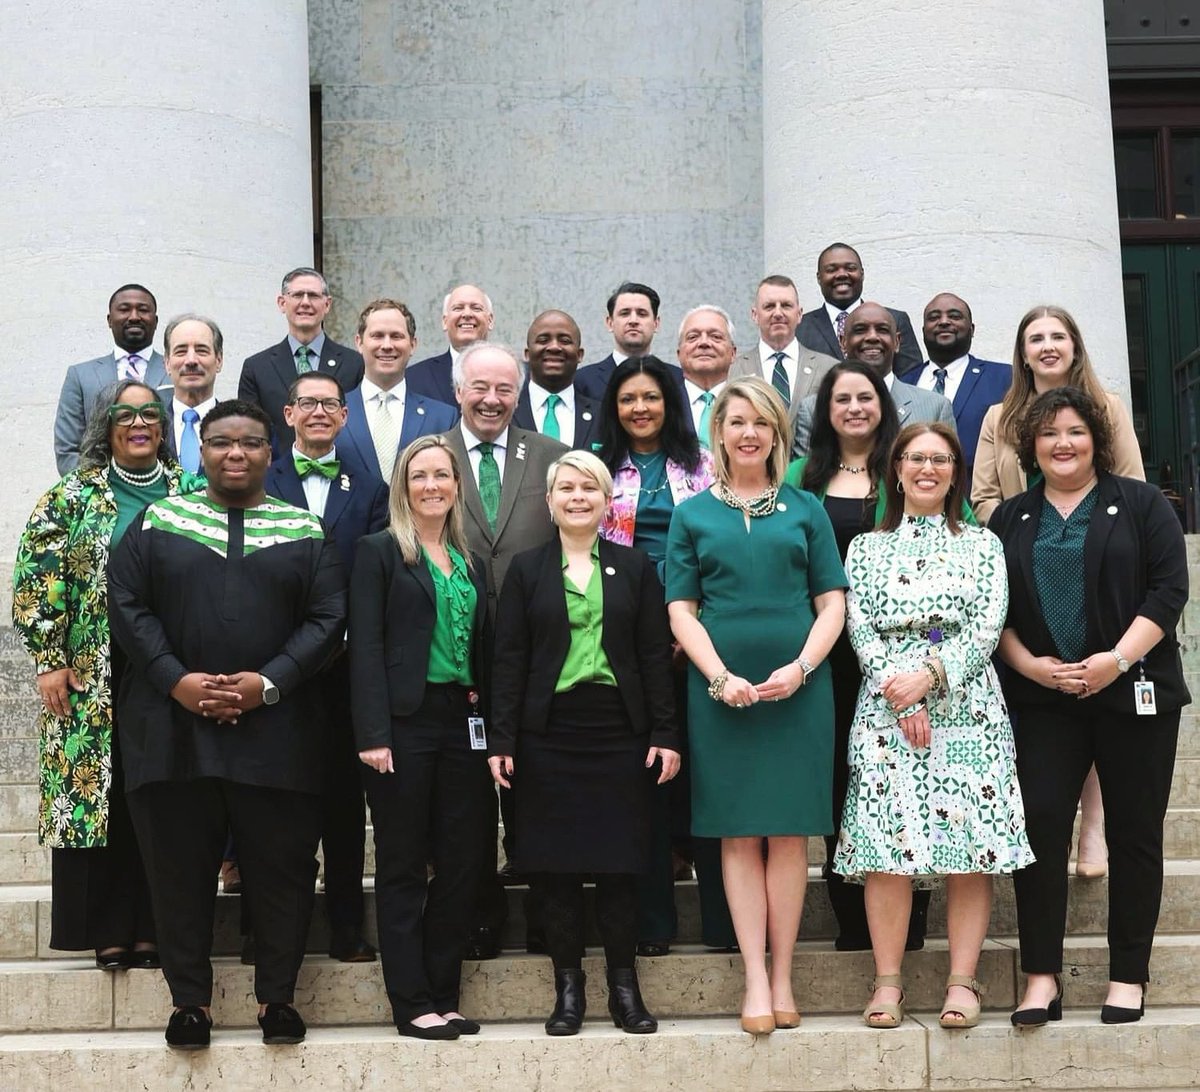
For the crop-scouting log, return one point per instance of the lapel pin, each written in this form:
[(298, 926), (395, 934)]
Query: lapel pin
[(345, 483), (331, 363), (781, 507), (421, 410), (1112, 509), (974, 371), (520, 451), (587, 415), (609, 571), (807, 370), (1024, 516)]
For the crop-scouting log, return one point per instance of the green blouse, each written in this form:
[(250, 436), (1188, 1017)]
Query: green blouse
[(450, 648), (1058, 575), (585, 662), (131, 500)]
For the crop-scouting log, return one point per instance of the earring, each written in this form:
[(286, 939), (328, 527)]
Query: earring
[(899, 487)]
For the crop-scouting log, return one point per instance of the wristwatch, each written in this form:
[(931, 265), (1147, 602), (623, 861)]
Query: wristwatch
[(1122, 663), (270, 691), (805, 666)]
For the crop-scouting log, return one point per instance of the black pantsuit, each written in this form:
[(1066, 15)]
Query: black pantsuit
[(182, 827), (432, 810), (1134, 758)]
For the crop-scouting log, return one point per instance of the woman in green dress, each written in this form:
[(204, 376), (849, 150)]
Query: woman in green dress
[(99, 896), (756, 598)]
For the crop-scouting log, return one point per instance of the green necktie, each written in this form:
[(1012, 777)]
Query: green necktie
[(779, 379), (705, 417), (306, 466), (550, 424), (303, 367), (489, 483)]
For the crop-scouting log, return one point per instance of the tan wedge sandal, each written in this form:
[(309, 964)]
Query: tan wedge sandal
[(882, 1014), (967, 1015)]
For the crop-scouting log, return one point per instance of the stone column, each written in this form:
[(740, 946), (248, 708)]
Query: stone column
[(165, 144), (964, 148)]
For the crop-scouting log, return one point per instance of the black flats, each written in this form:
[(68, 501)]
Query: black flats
[(281, 1025), (113, 961), (1036, 1018), (189, 1028), (570, 1002), (1115, 1014), (437, 1033), (625, 1004)]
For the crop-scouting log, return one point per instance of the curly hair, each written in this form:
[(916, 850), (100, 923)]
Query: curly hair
[(1046, 408), (95, 446)]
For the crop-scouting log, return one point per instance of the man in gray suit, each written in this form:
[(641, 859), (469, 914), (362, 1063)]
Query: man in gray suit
[(504, 499), (791, 368), (132, 318), (871, 336)]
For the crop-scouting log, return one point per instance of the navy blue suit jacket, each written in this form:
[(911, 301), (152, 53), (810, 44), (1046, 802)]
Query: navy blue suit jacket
[(587, 418), (592, 379), (984, 383), (423, 416), (357, 504), (433, 376), (816, 332)]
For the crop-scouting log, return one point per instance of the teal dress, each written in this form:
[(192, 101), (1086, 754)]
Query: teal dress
[(767, 769)]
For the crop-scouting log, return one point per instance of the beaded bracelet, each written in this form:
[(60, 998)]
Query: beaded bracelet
[(717, 687)]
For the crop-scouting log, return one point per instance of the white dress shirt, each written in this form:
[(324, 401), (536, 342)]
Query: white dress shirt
[(472, 442), (791, 361), (316, 486), (566, 410), (696, 403), (177, 408), (955, 371)]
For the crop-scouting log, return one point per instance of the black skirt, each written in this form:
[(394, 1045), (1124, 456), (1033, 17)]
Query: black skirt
[(581, 791)]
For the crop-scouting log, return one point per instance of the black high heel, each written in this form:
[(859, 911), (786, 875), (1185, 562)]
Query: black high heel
[(1116, 1014), (1036, 1018)]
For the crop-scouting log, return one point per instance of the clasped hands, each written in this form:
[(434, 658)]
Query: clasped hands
[(903, 692), (502, 766), (221, 698), (1082, 679), (782, 683)]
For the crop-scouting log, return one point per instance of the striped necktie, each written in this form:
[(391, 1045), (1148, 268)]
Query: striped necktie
[(779, 379)]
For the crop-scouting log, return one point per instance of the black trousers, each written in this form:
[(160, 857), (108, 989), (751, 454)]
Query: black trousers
[(1134, 758), (182, 828), (560, 898), (344, 810), (432, 810)]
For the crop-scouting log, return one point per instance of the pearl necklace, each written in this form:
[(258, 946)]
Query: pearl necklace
[(763, 504), (138, 479), (852, 469)]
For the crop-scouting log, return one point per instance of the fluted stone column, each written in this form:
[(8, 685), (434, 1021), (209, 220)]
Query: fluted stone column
[(959, 147), (166, 144)]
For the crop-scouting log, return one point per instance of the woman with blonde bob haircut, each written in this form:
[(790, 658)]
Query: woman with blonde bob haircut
[(583, 725), (760, 557), (416, 641)]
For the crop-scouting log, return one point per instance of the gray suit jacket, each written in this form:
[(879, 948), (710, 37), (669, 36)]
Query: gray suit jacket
[(812, 368), (523, 520), (81, 386), (912, 405)]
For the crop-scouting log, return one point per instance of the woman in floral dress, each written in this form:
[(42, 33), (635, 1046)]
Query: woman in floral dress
[(933, 788)]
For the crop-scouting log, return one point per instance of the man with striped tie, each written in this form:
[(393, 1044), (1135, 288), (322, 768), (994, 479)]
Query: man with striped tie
[(705, 350), (791, 368), (194, 354)]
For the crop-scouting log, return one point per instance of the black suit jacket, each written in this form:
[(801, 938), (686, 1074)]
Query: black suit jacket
[(587, 418), (434, 377), (1134, 562), (393, 609), (533, 636), (816, 332), (266, 377)]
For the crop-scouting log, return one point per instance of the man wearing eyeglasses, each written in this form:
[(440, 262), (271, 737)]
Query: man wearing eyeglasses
[(326, 479), (227, 603), (304, 300)]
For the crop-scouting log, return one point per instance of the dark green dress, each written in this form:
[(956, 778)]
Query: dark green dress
[(767, 769)]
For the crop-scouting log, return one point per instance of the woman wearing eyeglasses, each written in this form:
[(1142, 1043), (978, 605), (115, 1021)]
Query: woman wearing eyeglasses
[(933, 788), (99, 896)]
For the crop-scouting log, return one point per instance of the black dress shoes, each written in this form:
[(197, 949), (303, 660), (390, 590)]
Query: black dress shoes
[(654, 948), (144, 959), (189, 1028), (1116, 1014), (570, 1002), (351, 949), (848, 943), (625, 1004), (113, 961), (437, 1033), (484, 943), (1036, 1018), (465, 1025), (281, 1024)]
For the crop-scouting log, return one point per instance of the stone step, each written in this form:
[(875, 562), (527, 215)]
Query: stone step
[(25, 914), (825, 1052), (72, 995)]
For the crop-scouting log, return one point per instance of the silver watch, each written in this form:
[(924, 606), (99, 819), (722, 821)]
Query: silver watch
[(1122, 663), (804, 666), (270, 691)]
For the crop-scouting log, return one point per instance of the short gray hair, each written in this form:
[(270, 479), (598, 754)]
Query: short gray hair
[(191, 316), (478, 347), (716, 311), (303, 271), (486, 298)]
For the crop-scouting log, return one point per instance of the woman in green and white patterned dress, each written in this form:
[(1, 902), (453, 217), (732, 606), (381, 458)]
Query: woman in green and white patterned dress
[(933, 787)]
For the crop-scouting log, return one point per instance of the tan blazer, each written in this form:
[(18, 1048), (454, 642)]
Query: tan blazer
[(811, 367), (998, 474)]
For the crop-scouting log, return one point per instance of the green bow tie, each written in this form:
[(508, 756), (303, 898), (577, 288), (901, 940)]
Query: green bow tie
[(305, 466)]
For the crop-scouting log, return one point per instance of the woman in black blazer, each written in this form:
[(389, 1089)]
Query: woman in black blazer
[(418, 603), (582, 712), (1098, 578)]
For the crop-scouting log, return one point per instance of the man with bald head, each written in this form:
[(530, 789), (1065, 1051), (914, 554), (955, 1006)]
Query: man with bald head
[(871, 336), (467, 316), (972, 385), (549, 402)]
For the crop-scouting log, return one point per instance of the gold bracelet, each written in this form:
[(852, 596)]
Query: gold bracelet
[(717, 687)]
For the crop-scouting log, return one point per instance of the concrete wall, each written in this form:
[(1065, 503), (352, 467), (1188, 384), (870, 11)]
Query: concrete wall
[(543, 149)]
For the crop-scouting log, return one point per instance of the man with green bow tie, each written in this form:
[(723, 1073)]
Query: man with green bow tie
[(351, 501)]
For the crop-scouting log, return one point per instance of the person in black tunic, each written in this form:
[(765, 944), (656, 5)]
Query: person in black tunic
[(227, 603)]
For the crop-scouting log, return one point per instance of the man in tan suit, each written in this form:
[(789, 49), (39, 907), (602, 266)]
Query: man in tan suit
[(504, 498), (791, 368)]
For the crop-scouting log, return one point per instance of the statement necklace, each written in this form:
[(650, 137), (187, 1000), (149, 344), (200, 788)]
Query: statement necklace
[(852, 469), (762, 504), (139, 479)]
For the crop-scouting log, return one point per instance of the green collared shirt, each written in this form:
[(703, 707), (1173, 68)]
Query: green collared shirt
[(586, 661), (1058, 574), (450, 648)]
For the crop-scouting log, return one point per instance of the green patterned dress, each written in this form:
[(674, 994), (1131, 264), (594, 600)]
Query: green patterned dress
[(955, 806)]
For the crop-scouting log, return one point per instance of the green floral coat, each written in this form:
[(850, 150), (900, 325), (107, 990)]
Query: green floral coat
[(60, 608)]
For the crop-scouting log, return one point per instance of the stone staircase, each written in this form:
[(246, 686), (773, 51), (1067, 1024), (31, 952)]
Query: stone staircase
[(65, 1024)]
